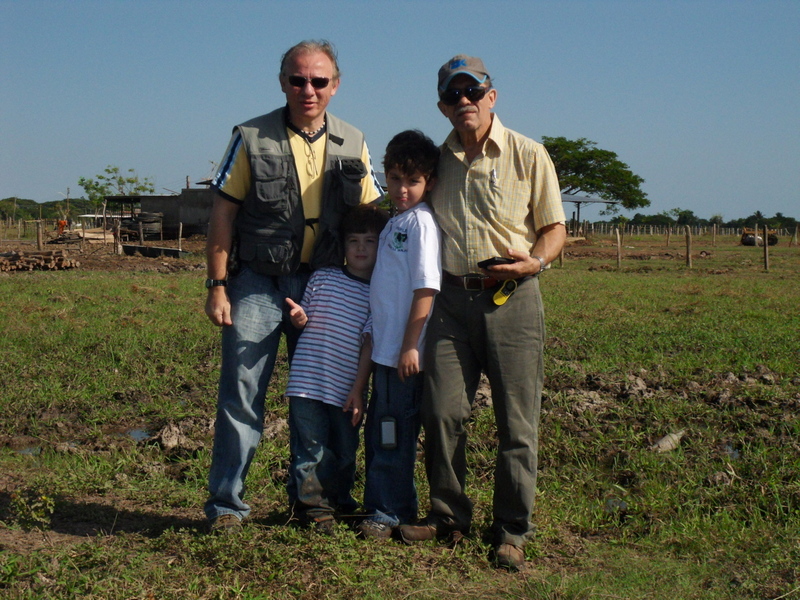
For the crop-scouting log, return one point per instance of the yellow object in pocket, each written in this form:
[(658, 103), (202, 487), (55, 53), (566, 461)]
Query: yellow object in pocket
[(505, 291)]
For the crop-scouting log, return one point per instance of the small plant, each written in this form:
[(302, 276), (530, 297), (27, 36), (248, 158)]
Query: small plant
[(32, 508), (10, 569)]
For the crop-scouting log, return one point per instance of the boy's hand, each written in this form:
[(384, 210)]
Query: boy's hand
[(297, 314), (408, 365), (355, 404)]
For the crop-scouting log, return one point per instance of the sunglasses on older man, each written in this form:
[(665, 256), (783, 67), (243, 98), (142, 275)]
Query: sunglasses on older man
[(318, 83), (450, 97)]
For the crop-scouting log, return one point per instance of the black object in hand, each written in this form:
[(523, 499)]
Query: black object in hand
[(495, 260)]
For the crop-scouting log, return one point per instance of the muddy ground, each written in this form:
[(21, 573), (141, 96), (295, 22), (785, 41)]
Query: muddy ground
[(98, 256), (76, 519)]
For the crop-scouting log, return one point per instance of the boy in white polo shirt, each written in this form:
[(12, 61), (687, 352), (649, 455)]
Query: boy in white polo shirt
[(406, 278)]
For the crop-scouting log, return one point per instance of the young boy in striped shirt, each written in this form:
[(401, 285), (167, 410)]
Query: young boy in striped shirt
[(326, 398)]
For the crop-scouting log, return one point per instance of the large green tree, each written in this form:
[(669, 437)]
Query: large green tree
[(113, 182), (583, 167)]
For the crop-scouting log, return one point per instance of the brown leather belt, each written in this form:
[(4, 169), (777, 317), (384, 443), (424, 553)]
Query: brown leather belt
[(473, 282)]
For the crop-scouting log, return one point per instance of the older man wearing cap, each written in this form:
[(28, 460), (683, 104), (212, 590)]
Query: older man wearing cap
[(497, 196)]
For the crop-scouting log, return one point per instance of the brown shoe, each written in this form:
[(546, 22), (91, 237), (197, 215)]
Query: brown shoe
[(419, 532), (510, 557), (226, 524)]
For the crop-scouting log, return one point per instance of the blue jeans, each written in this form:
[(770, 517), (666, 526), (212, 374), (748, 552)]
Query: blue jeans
[(390, 495), (323, 442), (249, 349)]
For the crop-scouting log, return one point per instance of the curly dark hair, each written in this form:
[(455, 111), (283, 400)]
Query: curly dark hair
[(412, 151)]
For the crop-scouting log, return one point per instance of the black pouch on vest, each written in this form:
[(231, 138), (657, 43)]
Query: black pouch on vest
[(346, 181)]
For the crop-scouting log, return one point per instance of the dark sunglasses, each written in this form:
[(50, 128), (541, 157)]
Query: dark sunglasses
[(318, 83), (450, 97)]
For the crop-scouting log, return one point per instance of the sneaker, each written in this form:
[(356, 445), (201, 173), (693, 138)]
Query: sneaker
[(369, 528), (226, 524), (510, 557)]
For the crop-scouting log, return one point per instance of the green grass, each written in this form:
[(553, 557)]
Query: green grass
[(632, 356)]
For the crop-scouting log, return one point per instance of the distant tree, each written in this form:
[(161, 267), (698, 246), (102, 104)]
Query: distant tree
[(659, 220), (18, 209), (759, 219), (716, 220), (680, 216), (620, 221), (583, 167), (112, 182)]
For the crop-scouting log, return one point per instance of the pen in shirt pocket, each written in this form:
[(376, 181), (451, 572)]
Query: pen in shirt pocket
[(493, 177)]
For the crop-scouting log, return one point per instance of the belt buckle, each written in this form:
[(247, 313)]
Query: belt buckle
[(478, 280)]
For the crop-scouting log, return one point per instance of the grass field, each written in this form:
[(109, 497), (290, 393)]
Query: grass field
[(107, 387)]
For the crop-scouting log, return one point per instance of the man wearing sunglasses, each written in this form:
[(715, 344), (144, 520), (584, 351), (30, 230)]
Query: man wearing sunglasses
[(284, 183), (497, 196)]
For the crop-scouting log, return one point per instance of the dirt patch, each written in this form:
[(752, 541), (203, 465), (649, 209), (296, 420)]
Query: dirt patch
[(98, 256)]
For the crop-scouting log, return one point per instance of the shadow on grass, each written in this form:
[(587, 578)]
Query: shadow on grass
[(89, 519)]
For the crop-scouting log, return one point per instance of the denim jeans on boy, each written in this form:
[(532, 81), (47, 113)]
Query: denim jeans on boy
[(249, 349), (323, 443), (390, 495)]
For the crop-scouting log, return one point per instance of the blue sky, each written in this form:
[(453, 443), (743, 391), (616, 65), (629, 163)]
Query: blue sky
[(700, 98)]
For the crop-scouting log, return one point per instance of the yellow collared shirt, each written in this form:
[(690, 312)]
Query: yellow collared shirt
[(498, 201)]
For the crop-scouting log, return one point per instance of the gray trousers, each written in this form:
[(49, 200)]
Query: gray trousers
[(468, 334)]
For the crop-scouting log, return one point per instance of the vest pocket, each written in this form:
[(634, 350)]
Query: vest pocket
[(272, 196), (346, 180), (271, 183), (267, 259)]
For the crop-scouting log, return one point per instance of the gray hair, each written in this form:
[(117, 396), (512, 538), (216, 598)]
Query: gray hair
[(309, 47)]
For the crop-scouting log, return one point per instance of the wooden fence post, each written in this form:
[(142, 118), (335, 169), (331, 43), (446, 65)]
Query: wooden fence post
[(117, 239), (688, 246), (619, 249), (180, 235), (766, 247), (39, 241), (714, 236)]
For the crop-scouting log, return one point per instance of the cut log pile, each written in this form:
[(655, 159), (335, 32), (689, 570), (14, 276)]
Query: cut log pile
[(51, 260), (66, 238)]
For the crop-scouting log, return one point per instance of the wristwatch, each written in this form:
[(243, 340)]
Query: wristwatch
[(215, 282), (542, 263)]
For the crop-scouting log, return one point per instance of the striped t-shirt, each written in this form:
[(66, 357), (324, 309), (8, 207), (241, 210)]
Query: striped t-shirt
[(325, 362)]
